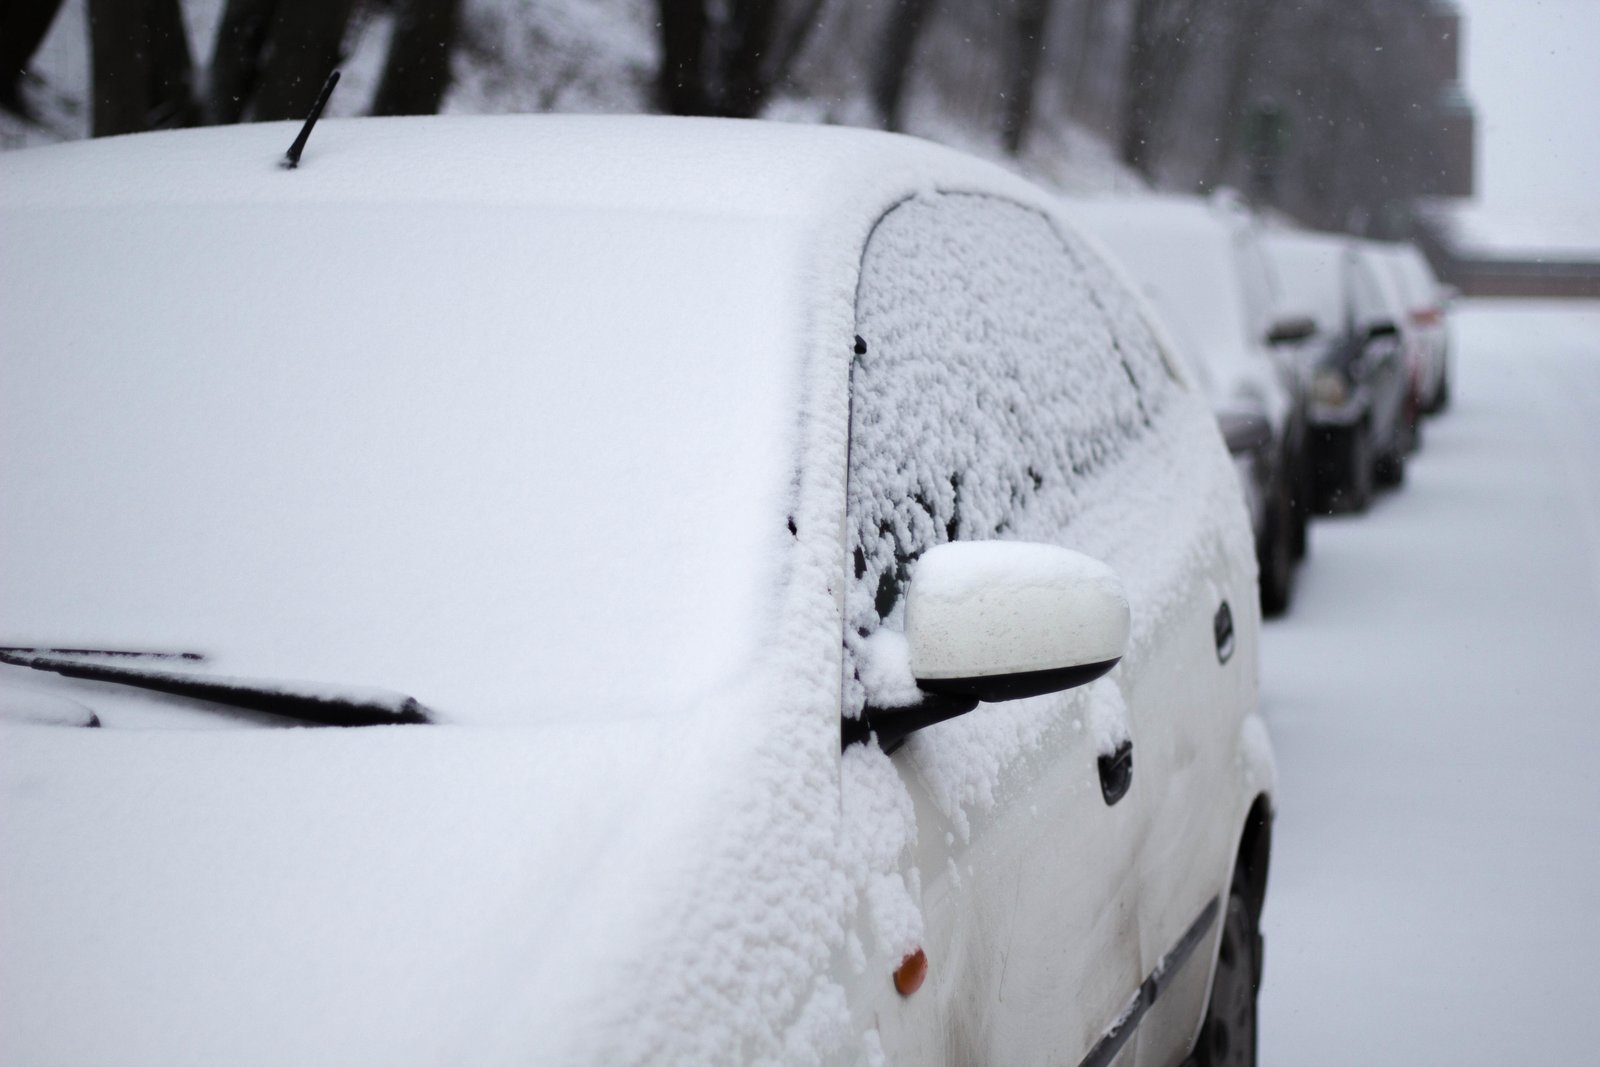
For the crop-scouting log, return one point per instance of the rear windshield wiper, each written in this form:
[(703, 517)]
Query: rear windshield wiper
[(304, 702)]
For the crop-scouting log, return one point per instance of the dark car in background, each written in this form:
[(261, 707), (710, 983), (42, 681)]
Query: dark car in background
[(1360, 409)]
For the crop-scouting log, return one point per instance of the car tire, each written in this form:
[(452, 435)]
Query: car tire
[(1354, 494), (1276, 556), (1413, 429), (1390, 470), (1228, 1033), (1441, 396), (1302, 505)]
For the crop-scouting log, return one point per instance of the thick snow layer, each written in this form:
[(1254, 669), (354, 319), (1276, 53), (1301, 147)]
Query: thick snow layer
[(471, 482), (1436, 859), (1110, 468), (413, 416), (419, 494)]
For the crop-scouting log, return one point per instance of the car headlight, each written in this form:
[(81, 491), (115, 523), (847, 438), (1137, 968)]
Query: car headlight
[(1329, 388)]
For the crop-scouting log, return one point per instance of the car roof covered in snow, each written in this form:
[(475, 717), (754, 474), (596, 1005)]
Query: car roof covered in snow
[(719, 166)]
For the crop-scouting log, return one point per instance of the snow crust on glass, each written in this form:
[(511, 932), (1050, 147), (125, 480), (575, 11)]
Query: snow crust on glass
[(640, 842)]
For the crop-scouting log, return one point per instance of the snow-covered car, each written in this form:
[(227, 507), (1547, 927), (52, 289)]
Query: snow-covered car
[(1359, 411), (1201, 263), (1416, 336), (816, 620), (1426, 304)]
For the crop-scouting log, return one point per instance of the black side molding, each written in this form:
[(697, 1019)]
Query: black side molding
[(1105, 1050)]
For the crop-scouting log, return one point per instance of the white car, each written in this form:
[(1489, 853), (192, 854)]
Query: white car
[(1202, 264), (1425, 320), (685, 486)]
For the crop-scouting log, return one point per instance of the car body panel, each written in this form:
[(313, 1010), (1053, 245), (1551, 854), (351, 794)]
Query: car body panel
[(604, 878)]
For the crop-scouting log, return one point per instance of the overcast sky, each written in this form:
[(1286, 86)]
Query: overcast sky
[(1533, 71)]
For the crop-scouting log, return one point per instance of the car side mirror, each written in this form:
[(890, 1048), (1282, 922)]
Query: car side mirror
[(1288, 331), (1002, 620), (1244, 431)]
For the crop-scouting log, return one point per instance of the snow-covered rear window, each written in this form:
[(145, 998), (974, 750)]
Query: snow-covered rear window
[(992, 384)]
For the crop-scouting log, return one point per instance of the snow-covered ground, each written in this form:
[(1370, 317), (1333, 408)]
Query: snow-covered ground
[(1435, 702)]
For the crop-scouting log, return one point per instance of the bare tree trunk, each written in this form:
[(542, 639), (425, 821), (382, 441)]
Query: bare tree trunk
[(141, 73), (416, 73), (23, 25), (728, 66), (1247, 26), (788, 47), (681, 79), (1157, 48), (892, 69), (1032, 18), (236, 58), (745, 39), (303, 46)]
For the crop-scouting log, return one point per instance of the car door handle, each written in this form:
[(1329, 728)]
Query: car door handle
[(1116, 773), (1222, 630)]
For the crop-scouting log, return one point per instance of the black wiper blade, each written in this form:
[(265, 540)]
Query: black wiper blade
[(300, 701), (113, 653)]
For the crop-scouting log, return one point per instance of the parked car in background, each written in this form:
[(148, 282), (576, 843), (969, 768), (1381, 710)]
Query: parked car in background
[(1360, 390), (1202, 265), (1414, 335), (1426, 304), (815, 614)]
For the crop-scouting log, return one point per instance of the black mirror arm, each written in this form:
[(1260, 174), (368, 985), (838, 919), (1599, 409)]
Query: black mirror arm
[(894, 725)]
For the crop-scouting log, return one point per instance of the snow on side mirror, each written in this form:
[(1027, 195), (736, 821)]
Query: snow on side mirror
[(1002, 620)]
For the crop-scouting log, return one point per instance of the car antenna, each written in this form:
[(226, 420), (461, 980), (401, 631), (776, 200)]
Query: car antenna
[(291, 159)]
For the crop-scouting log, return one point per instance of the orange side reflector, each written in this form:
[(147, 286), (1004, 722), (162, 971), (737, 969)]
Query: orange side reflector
[(913, 969)]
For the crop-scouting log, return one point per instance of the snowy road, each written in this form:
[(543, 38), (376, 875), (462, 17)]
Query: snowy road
[(1435, 701)]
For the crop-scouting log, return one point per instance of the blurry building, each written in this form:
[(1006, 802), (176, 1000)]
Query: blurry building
[(1453, 121)]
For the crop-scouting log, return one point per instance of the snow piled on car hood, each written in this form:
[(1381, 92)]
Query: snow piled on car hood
[(378, 896)]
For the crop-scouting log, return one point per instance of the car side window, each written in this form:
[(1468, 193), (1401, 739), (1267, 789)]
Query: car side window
[(999, 365), (1367, 300)]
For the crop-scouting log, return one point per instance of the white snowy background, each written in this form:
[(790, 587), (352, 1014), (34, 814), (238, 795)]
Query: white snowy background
[(1433, 701)]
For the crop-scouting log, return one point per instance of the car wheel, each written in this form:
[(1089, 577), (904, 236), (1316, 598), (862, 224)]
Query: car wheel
[(1228, 1034), (1276, 556), (1412, 434), (1354, 494), (1390, 470), (1302, 511), (1441, 396)]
